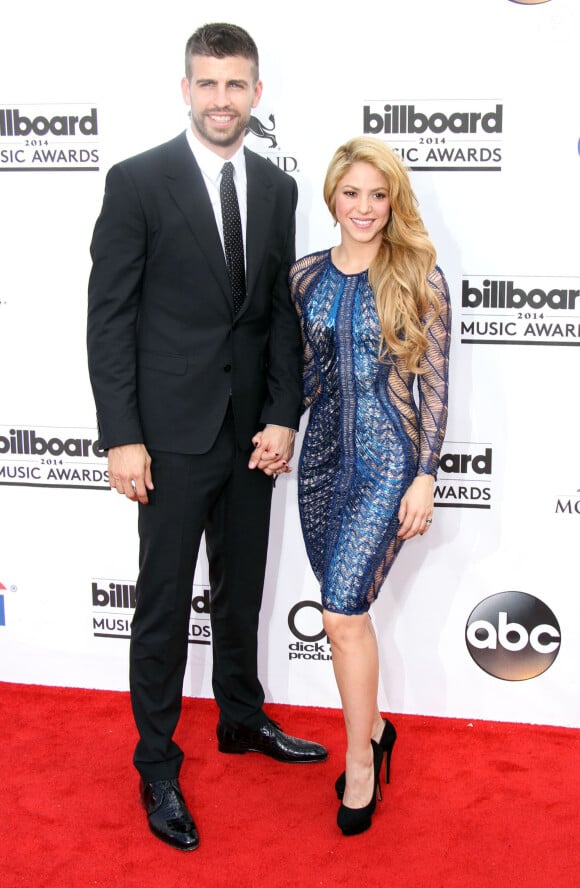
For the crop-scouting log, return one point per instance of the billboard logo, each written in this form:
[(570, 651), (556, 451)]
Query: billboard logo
[(439, 134), (522, 311), (465, 476), (114, 602), (52, 457), (49, 137)]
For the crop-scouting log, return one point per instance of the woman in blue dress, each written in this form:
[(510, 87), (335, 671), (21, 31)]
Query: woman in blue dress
[(375, 318)]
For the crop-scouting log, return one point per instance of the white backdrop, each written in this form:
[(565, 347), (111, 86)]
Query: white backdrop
[(493, 85)]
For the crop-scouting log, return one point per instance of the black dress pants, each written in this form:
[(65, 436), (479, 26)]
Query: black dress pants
[(215, 493)]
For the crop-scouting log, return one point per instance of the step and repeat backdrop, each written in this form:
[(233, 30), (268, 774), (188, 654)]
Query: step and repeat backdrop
[(481, 617)]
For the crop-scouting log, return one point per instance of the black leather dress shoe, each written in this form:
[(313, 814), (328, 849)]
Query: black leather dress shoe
[(168, 816), (270, 740)]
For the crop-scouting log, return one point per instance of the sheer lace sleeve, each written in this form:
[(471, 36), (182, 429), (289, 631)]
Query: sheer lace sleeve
[(303, 276), (433, 382)]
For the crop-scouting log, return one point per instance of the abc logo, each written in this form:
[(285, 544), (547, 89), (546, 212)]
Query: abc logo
[(304, 621), (513, 636)]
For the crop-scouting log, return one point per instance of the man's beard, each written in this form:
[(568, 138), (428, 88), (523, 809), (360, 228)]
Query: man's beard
[(223, 139)]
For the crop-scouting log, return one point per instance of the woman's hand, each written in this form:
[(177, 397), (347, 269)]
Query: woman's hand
[(416, 511)]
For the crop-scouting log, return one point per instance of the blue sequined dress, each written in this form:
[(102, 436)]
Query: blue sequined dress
[(367, 438)]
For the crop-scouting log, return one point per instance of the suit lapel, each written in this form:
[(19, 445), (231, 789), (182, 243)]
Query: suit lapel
[(187, 187), (258, 224)]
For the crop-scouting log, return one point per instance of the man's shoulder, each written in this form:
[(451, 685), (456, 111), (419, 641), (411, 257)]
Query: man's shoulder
[(159, 155), (268, 170)]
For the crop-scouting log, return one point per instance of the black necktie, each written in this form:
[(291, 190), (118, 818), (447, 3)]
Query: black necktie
[(233, 243)]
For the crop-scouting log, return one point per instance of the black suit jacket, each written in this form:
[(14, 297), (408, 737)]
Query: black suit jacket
[(165, 351)]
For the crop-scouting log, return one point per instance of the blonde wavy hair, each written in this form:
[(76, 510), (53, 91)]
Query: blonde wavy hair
[(406, 257)]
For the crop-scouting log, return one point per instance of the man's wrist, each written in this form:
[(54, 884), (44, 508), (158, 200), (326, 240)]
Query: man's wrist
[(273, 425)]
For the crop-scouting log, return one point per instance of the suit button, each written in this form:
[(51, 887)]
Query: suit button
[(227, 368)]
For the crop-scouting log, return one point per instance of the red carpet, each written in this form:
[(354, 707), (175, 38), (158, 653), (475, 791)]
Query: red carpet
[(470, 804)]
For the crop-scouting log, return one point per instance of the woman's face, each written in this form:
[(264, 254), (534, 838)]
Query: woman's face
[(362, 204)]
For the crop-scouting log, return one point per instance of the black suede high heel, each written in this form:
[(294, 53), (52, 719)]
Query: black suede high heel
[(356, 820), (387, 742)]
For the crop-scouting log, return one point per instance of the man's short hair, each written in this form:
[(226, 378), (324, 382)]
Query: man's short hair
[(219, 40)]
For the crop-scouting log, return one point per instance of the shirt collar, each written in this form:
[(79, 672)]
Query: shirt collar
[(211, 163)]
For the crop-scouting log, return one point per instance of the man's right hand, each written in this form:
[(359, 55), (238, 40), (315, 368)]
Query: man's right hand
[(130, 471)]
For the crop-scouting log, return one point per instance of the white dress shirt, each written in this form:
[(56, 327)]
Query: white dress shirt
[(211, 165)]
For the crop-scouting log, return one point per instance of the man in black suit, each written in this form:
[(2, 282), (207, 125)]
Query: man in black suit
[(196, 374)]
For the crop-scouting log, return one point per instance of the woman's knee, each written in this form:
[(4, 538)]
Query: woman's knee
[(342, 628)]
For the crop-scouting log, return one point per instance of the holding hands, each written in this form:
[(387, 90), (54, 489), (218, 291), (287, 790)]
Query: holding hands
[(273, 449)]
